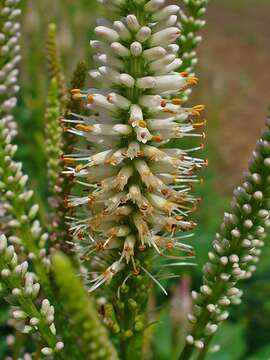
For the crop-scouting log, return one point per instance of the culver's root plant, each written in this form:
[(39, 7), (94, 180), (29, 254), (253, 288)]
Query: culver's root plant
[(123, 156)]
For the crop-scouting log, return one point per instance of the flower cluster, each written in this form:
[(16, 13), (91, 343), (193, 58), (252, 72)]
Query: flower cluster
[(54, 152), (55, 66), (190, 23), (10, 57), (24, 290), (53, 138), (60, 185), (137, 182), (236, 249), (22, 216)]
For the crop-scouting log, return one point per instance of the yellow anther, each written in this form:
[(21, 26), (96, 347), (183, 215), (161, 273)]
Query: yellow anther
[(176, 101), (192, 80), (169, 111), (75, 91), (142, 124), (68, 160), (199, 108), (199, 125), (76, 96)]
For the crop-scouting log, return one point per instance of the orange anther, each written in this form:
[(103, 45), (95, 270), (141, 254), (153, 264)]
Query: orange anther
[(200, 107), (68, 160), (84, 128), (192, 81), (195, 112), (169, 111), (78, 168), (157, 138), (199, 125), (177, 101), (142, 124), (76, 96), (184, 73), (90, 99), (108, 162)]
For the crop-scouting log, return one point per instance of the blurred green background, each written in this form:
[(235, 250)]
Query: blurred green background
[(234, 84)]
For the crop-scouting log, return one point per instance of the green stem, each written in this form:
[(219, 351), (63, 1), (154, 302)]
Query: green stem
[(137, 290), (187, 352)]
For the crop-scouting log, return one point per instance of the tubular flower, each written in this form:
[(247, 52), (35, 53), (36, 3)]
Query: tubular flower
[(137, 183)]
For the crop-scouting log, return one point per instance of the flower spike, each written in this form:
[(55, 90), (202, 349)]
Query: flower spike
[(235, 252), (137, 185)]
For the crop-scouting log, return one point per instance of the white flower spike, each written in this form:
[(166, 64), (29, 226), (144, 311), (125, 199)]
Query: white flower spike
[(137, 182)]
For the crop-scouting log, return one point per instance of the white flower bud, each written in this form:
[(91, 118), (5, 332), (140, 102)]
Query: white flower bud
[(136, 48), (143, 34), (47, 351), (190, 339)]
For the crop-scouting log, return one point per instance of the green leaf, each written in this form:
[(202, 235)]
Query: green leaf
[(93, 340), (163, 337), (263, 354)]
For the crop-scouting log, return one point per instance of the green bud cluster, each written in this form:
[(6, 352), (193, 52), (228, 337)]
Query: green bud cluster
[(190, 24), (236, 251), (55, 65)]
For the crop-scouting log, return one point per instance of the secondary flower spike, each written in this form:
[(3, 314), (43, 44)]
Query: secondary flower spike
[(136, 180)]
